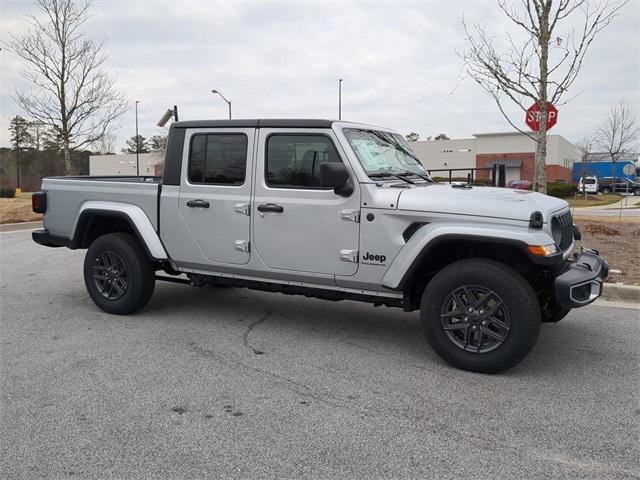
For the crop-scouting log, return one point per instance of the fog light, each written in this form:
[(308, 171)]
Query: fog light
[(586, 292), (581, 293)]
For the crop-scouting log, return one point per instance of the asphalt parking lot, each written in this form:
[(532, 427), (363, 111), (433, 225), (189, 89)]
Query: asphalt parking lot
[(231, 383)]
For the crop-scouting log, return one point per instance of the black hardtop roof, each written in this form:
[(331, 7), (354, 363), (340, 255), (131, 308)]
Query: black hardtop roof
[(256, 123)]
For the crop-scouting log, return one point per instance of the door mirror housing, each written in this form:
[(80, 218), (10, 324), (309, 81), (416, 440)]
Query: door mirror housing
[(335, 175)]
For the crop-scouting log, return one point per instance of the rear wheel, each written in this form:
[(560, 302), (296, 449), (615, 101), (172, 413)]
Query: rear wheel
[(480, 315), (605, 191), (118, 274)]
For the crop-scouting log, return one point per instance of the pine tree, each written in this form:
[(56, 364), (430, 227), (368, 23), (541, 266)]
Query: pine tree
[(140, 141)]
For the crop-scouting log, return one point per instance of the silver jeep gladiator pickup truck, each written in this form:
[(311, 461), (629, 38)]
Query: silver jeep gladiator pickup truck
[(333, 210)]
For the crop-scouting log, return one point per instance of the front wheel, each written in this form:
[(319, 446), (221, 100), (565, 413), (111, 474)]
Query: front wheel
[(605, 191), (480, 315), (118, 274)]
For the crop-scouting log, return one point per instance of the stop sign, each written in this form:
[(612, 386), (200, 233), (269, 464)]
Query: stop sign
[(532, 118)]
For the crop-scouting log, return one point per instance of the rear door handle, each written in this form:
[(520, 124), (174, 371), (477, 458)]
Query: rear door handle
[(271, 207), (197, 204)]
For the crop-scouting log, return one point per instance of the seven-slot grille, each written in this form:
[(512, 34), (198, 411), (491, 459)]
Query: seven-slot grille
[(562, 230)]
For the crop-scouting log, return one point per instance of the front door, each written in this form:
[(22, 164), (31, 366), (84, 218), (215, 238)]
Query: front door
[(215, 192), (299, 225)]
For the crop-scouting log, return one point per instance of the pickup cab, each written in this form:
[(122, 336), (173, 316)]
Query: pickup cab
[(334, 210)]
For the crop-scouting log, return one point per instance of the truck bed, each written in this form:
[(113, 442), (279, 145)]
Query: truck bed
[(66, 197)]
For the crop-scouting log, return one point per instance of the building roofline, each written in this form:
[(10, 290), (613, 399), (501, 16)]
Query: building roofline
[(509, 134)]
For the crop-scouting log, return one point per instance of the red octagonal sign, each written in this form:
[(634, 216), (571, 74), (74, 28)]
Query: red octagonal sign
[(532, 118)]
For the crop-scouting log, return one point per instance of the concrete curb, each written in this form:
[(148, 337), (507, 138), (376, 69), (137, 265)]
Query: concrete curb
[(621, 293), (14, 227)]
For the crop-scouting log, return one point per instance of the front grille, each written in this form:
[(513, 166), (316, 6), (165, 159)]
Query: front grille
[(562, 230)]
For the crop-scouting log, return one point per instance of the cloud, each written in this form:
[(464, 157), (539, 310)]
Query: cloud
[(398, 61)]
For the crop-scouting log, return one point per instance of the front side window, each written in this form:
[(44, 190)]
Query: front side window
[(219, 158), (384, 154), (293, 161)]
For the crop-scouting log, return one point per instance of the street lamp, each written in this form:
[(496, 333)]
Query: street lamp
[(339, 99), (137, 143), (228, 102)]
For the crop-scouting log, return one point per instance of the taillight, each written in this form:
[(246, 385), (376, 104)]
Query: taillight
[(39, 202)]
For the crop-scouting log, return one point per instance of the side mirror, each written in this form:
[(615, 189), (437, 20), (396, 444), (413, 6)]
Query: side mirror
[(335, 174)]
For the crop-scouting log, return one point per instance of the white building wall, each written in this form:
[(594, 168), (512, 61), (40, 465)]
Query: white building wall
[(436, 154), (563, 152), (511, 142), (124, 164)]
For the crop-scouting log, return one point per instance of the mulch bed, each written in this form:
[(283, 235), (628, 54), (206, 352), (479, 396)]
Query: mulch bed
[(618, 243)]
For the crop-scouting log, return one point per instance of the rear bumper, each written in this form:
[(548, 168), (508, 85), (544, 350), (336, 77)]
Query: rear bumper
[(43, 237), (581, 283)]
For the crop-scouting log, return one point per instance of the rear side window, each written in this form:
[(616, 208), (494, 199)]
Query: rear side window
[(293, 161), (218, 159)]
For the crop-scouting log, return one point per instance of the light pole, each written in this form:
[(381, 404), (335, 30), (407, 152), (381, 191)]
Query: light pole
[(137, 143), (228, 102), (339, 99)]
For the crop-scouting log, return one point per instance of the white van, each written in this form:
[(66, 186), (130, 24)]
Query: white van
[(589, 184)]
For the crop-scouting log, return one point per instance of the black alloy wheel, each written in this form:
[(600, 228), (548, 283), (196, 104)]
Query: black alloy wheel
[(110, 275), (118, 273), (475, 319)]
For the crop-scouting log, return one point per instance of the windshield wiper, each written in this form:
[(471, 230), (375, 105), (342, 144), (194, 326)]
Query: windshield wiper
[(387, 137), (423, 177), (391, 174)]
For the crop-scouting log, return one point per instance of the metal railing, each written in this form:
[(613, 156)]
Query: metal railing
[(498, 174)]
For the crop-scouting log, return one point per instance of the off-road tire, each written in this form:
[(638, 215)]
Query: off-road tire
[(555, 315), (139, 269), (519, 301)]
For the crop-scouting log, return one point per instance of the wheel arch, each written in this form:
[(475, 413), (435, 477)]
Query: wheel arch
[(430, 249), (98, 219)]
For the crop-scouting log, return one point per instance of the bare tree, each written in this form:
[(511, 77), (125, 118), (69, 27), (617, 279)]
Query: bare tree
[(73, 92), (618, 134), (105, 145), (535, 63)]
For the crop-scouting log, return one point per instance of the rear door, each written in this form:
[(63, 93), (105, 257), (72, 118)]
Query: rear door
[(215, 192), (299, 225)]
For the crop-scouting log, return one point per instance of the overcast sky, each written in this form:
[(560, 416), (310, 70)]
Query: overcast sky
[(283, 59)]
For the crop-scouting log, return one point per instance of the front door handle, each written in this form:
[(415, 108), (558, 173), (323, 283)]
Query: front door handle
[(271, 207), (197, 204)]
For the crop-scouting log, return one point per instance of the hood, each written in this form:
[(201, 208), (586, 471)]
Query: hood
[(479, 201)]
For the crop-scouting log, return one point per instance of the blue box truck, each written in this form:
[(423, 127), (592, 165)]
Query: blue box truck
[(601, 169)]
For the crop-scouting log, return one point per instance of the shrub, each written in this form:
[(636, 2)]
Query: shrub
[(561, 189), (6, 192)]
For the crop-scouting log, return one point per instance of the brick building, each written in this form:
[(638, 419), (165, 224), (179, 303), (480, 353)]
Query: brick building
[(515, 150)]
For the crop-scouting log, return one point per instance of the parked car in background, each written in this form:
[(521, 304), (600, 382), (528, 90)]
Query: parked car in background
[(588, 185), (519, 184), (623, 185)]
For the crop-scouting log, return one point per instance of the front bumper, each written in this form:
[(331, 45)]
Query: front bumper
[(581, 283)]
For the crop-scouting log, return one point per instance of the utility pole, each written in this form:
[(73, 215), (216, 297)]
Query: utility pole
[(18, 189), (340, 99), (137, 143)]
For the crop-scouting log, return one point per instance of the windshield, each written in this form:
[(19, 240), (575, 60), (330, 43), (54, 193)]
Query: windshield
[(384, 154)]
